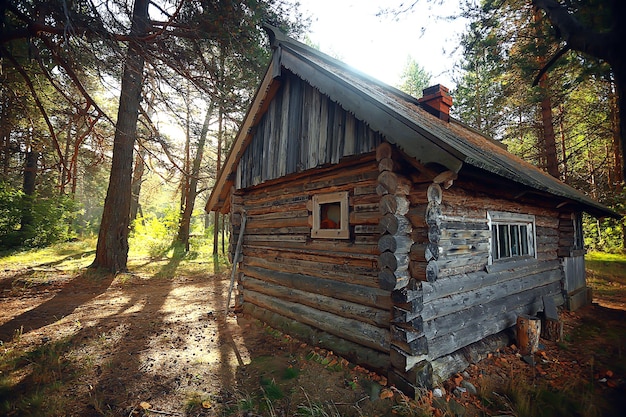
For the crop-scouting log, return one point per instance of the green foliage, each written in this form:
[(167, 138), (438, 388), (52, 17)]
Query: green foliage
[(153, 235), (49, 218), (414, 78), (10, 212), (606, 235)]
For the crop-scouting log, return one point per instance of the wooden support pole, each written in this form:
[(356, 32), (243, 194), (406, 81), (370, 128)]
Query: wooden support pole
[(235, 262)]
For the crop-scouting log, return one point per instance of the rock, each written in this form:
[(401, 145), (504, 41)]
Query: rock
[(437, 393), (457, 409), (465, 374), (469, 387), (458, 391), (451, 407)]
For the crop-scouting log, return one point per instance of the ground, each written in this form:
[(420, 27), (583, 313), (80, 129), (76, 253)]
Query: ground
[(158, 342)]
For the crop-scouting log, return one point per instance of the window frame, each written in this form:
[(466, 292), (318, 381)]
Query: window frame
[(498, 221), (318, 200), (579, 237)]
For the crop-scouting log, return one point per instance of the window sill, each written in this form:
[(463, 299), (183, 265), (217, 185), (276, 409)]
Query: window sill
[(330, 234), (517, 262)]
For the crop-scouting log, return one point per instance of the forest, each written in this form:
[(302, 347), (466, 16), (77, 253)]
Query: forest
[(116, 115)]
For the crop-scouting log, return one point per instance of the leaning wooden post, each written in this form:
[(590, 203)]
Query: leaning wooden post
[(235, 261)]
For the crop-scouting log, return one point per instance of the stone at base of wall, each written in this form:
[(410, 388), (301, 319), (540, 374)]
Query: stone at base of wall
[(429, 374), (579, 298)]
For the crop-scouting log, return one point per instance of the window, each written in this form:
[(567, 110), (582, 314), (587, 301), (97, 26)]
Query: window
[(512, 236), (330, 216), (579, 242)]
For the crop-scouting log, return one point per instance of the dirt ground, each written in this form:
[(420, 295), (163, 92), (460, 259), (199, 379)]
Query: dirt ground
[(83, 344)]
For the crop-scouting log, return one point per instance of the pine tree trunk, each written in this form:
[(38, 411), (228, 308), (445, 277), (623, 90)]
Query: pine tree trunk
[(136, 185), (547, 123), (217, 170), (112, 247), (619, 135), (30, 176), (192, 189), (547, 139)]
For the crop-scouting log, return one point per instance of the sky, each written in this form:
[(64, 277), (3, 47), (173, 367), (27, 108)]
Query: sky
[(380, 46)]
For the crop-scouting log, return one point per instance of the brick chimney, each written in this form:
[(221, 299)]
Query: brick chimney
[(437, 101)]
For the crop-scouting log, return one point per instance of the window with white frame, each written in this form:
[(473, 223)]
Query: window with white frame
[(330, 216), (512, 236)]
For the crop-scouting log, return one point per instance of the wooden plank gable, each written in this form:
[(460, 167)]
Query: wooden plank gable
[(301, 129)]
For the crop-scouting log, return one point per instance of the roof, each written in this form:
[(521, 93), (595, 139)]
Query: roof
[(398, 117)]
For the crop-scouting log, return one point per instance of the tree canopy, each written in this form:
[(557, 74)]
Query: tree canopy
[(73, 54)]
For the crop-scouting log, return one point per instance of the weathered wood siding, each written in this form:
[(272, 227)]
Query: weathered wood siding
[(467, 299), (301, 129), (321, 289), (453, 297)]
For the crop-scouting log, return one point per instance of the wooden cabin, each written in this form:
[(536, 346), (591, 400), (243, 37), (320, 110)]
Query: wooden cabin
[(381, 228)]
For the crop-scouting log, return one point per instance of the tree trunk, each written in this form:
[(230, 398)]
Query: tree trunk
[(547, 123), (217, 170), (563, 144), (620, 87), (548, 150), (136, 185), (615, 173), (192, 188), (112, 247), (30, 175)]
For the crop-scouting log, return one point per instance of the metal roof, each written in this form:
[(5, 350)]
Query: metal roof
[(400, 118)]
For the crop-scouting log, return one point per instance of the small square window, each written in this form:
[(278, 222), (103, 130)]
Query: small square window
[(330, 216), (512, 236)]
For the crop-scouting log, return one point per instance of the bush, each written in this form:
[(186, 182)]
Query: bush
[(49, 218), (10, 210), (154, 234)]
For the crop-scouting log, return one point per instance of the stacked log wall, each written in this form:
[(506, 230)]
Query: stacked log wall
[(464, 299), (325, 291), (395, 244)]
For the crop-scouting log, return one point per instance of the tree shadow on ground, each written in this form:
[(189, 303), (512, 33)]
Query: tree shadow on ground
[(83, 288)]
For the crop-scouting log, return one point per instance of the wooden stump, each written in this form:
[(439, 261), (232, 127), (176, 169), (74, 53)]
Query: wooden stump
[(528, 332), (552, 327), (552, 330)]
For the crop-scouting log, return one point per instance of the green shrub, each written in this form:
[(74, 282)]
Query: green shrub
[(154, 234), (49, 218), (10, 209)]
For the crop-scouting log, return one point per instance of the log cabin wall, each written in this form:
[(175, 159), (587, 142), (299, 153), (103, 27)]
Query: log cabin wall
[(323, 290), (464, 298)]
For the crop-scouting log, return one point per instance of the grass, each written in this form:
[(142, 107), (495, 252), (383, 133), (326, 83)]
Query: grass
[(607, 265), (31, 380), (606, 274), (527, 398), (68, 255), (77, 255)]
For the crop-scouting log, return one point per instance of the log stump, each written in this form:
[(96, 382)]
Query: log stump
[(528, 329)]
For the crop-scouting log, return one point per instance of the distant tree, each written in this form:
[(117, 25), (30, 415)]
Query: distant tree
[(479, 95), (414, 78)]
